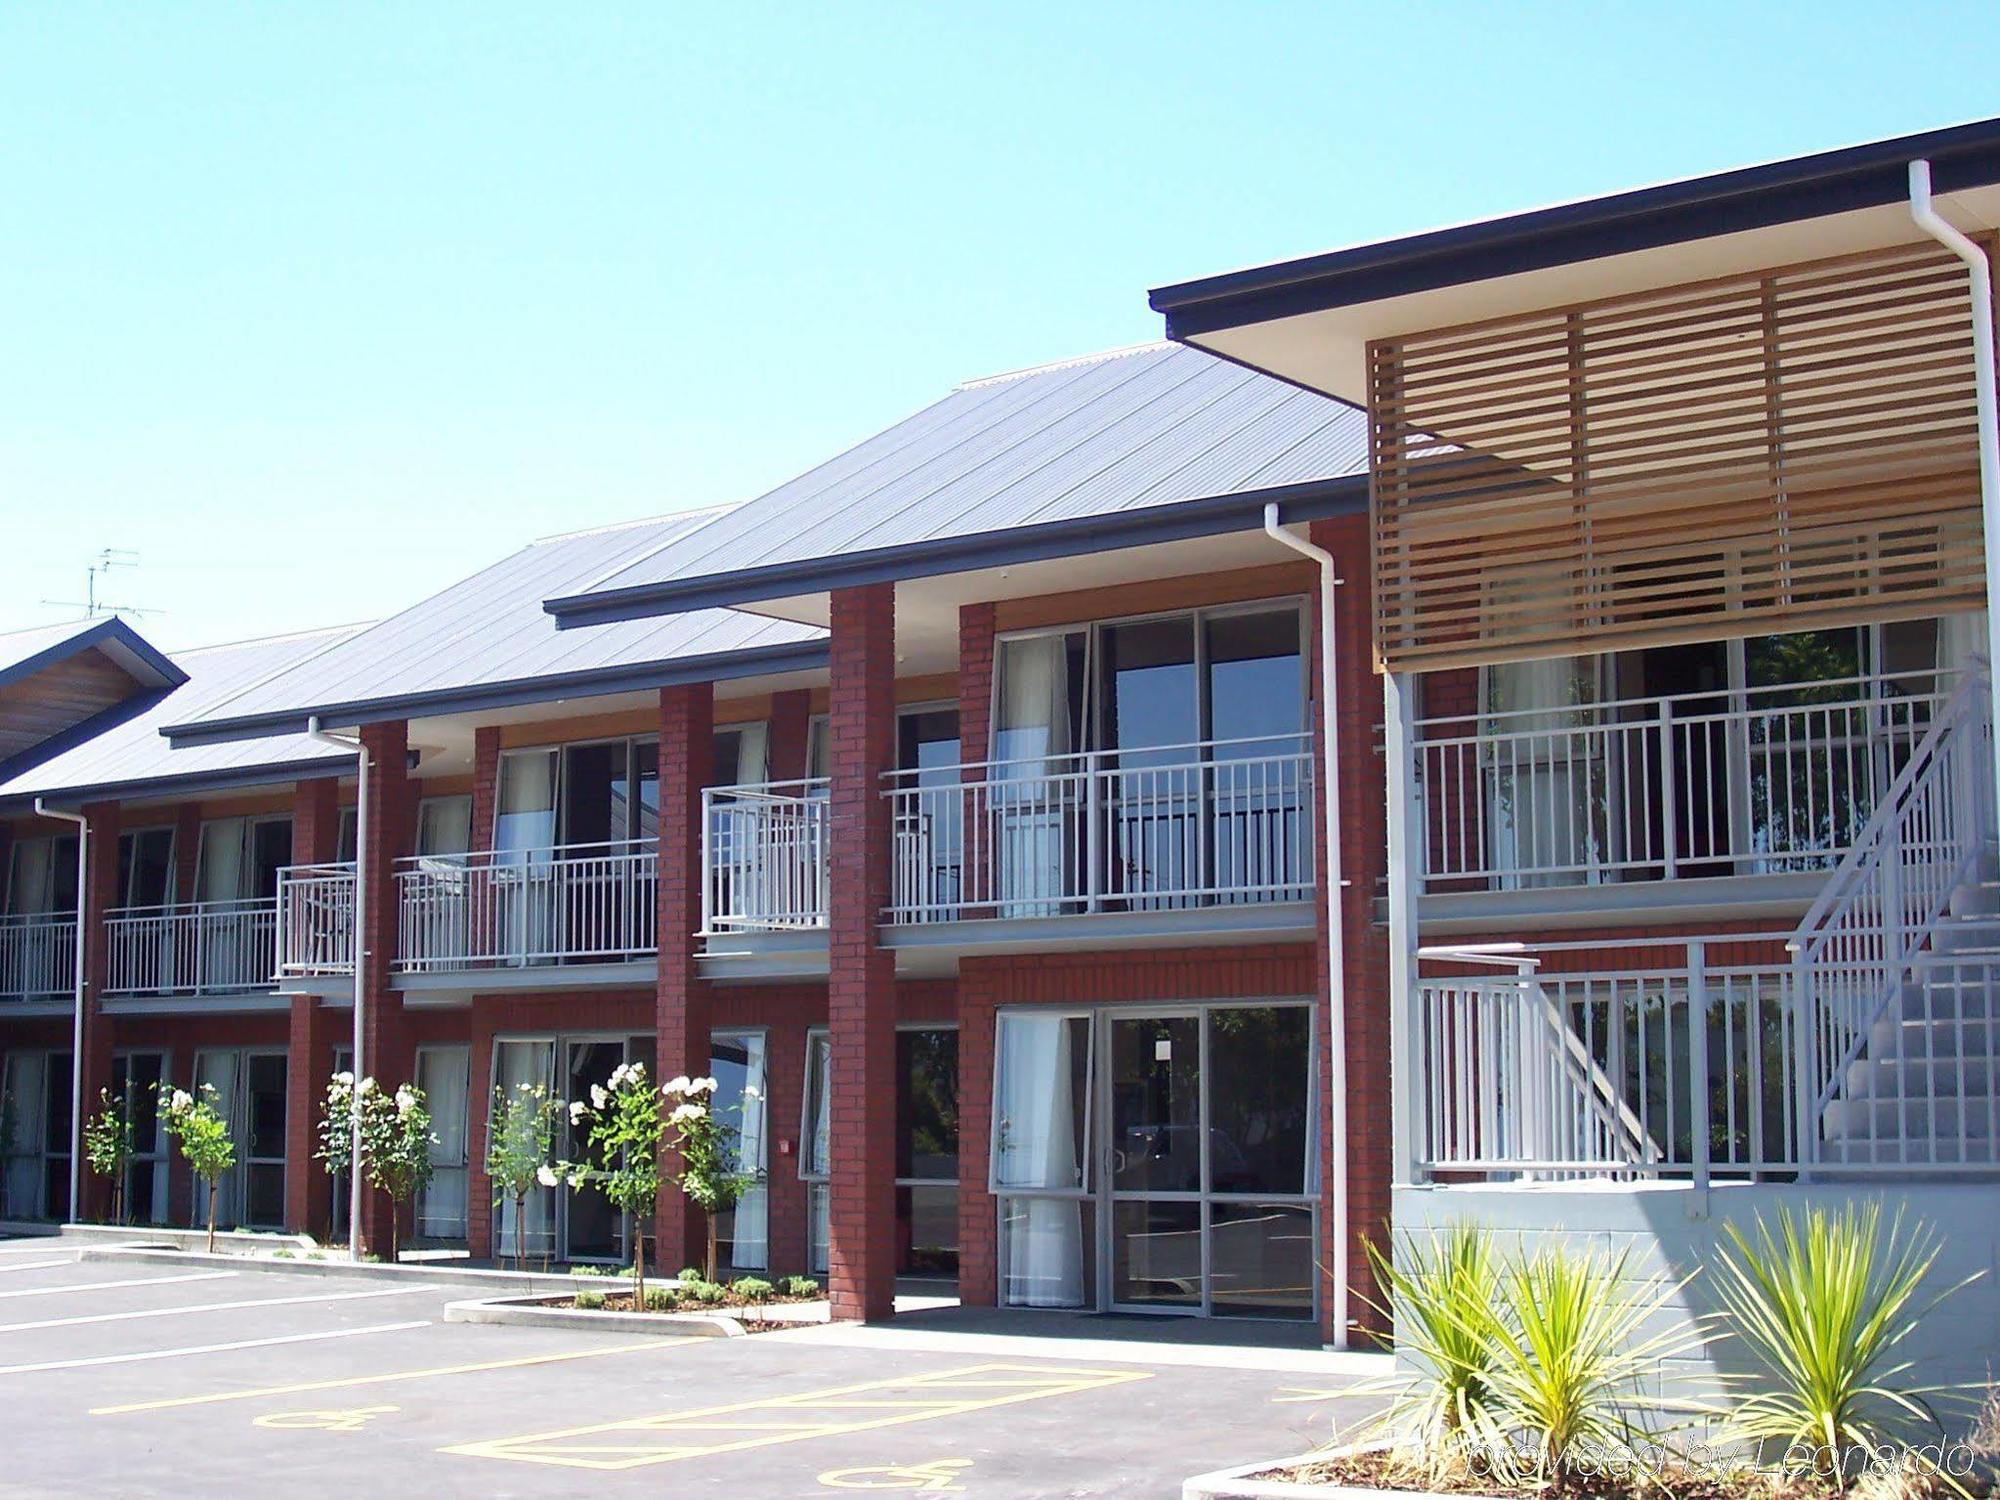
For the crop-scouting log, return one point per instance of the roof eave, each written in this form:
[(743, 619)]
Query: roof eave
[(148, 665), (1747, 198), (794, 656), (1075, 537), (227, 779)]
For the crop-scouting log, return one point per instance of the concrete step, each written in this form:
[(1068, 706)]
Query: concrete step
[(1949, 993), (1915, 1120), (1975, 1076), (1974, 1152), (1917, 1037)]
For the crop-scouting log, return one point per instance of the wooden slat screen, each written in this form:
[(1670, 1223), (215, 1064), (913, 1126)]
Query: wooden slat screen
[(1779, 451)]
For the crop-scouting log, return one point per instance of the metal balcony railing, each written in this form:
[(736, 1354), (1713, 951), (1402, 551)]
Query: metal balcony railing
[(507, 908), (1212, 823), (191, 947), (764, 857), (1767, 780), (37, 956), (316, 919)]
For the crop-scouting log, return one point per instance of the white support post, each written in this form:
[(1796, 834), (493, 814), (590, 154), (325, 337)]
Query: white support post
[(1698, 1091), (1405, 871)]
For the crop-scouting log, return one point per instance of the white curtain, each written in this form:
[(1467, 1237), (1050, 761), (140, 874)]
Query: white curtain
[(1032, 732), (1960, 638), (527, 1063), (1542, 781), (444, 825), (221, 863), (30, 878), (527, 803), (442, 1074), (219, 1071), (1035, 1146), (819, 1103), (749, 1234)]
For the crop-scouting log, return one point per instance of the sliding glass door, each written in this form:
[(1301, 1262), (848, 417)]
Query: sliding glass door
[(1171, 1147)]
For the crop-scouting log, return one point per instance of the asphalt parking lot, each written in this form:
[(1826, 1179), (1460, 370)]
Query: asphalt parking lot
[(140, 1378)]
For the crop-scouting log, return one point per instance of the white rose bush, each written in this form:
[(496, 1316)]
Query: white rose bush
[(195, 1121), (396, 1140), (706, 1148), (618, 1127), (520, 1147)]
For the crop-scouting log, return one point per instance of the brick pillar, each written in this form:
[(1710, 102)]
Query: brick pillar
[(978, 1257), (100, 895), (311, 1034), (978, 1275), (785, 1194), (478, 1115), (681, 1009), (861, 977), (1364, 859), (791, 728), (387, 1053), (485, 784)]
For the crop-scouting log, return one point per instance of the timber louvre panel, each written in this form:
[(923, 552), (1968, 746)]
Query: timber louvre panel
[(1792, 448)]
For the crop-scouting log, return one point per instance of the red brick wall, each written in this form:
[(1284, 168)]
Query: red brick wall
[(790, 729), (386, 1043), (862, 974), (681, 1014), (485, 784)]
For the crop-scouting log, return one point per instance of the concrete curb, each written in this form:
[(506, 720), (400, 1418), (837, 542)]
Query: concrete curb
[(185, 1239), (528, 1312), (1236, 1484), (550, 1283)]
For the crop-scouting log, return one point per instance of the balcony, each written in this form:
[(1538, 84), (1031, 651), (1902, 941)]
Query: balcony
[(37, 956), (1773, 781), (765, 857), (1221, 823), (316, 919), (191, 948), (522, 908)]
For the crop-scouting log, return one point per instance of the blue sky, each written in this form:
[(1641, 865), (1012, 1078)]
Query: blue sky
[(320, 306)]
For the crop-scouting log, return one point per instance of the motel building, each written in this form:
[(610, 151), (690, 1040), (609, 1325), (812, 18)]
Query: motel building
[(1494, 725)]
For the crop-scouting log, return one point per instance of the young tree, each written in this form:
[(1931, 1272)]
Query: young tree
[(706, 1146), (396, 1140), (109, 1146), (620, 1128), (194, 1120), (520, 1142)]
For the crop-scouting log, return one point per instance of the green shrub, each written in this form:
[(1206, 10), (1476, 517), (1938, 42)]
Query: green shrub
[(662, 1299), (704, 1293), (589, 1299), (591, 1271), (752, 1288), (799, 1286), (1824, 1305), (690, 1275)]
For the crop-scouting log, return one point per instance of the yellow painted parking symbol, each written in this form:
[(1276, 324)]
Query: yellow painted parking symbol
[(937, 1476), (706, 1431), (351, 1420)]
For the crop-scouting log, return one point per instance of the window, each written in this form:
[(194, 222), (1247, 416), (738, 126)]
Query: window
[(736, 1062), (444, 825), (740, 755), (815, 1141), (927, 1150), (1040, 1163), (34, 1183), (146, 867), (250, 1092), (41, 875), (240, 858), (143, 1194), (442, 1074)]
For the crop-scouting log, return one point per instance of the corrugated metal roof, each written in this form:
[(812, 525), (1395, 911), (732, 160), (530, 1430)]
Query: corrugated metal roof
[(1108, 435), (131, 749), (489, 633)]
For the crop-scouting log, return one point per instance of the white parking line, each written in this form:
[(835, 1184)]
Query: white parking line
[(204, 1307), (41, 1249), (35, 1265), (105, 1286), (286, 1338)]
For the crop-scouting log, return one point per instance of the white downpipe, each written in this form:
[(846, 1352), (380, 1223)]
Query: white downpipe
[(343, 742), (76, 1100), (1979, 283), (1336, 954)]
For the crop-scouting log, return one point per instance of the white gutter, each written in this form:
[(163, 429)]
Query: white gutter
[(1979, 283), (1336, 950), (342, 742), (76, 1100)]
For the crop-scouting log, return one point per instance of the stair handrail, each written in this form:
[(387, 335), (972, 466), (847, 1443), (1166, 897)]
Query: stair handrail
[(1876, 868), (1627, 1140)]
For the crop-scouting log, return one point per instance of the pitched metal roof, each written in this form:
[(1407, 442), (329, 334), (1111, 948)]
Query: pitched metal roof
[(24, 652), (123, 753), (1803, 187), (486, 642), (1112, 450)]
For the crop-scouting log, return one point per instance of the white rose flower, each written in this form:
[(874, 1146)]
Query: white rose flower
[(678, 1084), (367, 1086), (703, 1086), (182, 1100), (576, 1112), (598, 1098), (344, 1079), (687, 1112), (546, 1176)]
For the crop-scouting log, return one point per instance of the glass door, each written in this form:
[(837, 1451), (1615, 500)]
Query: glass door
[(591, 1226), (1153, 1161)]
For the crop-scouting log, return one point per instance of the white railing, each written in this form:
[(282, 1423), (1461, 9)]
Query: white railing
[(191, 947), (1773, 779), (1675, 1069), (1225, 822), (764, 856), (514, 907), (1887, 904), (316, 919), (37, 956)]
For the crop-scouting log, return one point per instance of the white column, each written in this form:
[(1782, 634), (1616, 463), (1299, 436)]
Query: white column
[(1406, 856)]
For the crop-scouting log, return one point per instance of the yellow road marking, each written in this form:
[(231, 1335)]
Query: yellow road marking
[(656, 1440), (386, 1379), (352, 1420), (938, 1475)]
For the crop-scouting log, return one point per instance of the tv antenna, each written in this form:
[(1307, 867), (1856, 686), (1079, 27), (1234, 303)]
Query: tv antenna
[(90, 604)]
